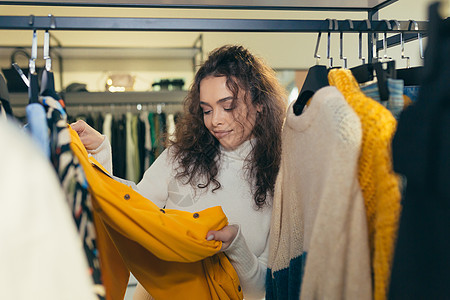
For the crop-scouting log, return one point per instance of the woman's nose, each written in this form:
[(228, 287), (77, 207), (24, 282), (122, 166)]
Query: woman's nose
[(217, 118)]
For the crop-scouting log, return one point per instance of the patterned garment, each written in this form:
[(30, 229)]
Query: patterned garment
[(412, 92), (395, 103), (75, 186)]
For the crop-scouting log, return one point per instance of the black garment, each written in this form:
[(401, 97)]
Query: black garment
[(97, 121), (119, 146), (141, 146), (421, 151), (161, 134)]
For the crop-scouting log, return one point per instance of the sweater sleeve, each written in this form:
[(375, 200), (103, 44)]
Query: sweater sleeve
[(153, 185), (251, 269), (103, 154)]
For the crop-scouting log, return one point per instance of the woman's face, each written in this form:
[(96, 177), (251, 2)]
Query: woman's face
[(230, 125)]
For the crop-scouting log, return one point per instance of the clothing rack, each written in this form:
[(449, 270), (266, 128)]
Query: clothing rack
[(105, 98), (106, 101), (371, 25)]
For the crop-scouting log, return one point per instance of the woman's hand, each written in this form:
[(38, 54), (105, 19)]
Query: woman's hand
[(226, 235), (90, 137)]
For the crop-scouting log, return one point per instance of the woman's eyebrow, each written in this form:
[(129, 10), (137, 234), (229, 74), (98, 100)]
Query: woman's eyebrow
[(218, 101)]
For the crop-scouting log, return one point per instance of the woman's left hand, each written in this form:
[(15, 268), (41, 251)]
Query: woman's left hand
[(226, 235)]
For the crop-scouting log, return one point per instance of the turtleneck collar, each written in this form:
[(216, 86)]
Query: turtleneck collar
[(241, 152)]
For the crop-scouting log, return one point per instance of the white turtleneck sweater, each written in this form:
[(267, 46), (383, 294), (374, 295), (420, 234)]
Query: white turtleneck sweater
[(249, 251)]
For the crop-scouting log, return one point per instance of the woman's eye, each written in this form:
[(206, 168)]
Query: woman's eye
[(228, 108), (206, 112)]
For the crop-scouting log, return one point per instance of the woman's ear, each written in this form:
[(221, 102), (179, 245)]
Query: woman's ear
[(259, 108)]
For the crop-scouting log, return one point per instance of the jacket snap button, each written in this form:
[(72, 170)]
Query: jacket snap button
[(162, 210), (239, 288), (196, 215), (126, 197)]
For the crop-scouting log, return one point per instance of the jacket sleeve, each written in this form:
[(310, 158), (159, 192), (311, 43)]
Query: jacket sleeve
[(154, 183), (251, 269)]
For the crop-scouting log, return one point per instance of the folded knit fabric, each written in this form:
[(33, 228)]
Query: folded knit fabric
[(165, 249)]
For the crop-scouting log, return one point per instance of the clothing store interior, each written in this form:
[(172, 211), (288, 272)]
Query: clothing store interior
[(359, 204)]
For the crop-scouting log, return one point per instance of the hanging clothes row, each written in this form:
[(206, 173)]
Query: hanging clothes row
[(337, 199), (343, 233), (344, 197), (137, 138)]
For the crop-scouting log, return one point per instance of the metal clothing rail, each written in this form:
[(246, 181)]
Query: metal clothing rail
[(218, 25), (348, 5), (199, 24)]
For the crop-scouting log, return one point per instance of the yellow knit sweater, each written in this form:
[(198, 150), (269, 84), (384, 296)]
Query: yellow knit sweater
[(379, 184)]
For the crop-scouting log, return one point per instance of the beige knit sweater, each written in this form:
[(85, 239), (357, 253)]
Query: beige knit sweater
[(318, 206)]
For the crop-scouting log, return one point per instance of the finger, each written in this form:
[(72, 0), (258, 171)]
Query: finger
[(211, 235), (78, 126), (221, 235)]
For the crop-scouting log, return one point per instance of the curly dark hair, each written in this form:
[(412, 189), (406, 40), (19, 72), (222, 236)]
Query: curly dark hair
[(196, 150)]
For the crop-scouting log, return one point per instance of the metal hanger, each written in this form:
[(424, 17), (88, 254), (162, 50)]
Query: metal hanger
[(316, 55), (402, 44), (48, 79), (341, 43), (333, 24), (419, 37), (410, 76), (360, 52), (385, 56), (33, 89)]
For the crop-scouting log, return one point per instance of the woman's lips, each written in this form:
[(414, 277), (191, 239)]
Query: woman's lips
[(221, 134)]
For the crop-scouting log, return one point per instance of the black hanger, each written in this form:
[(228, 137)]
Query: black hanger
[(382, 71), (4, 96), (47, 79), (317, 76), (411, 76)]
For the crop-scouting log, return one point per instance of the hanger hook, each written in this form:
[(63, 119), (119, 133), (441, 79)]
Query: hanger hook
[(52, 21), (48, 61), (402, 44), (332, 23), (374, 39), (360, 54), (47, 58), (31, 20), (388, 27), (341, 42), (32, 63), (317, 56), (419, 36)]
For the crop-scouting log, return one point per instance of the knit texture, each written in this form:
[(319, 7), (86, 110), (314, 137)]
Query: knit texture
[(379, 183), (319, 233)]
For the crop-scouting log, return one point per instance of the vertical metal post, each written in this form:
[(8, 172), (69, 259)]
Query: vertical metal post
[(372, 16), (198, 44)]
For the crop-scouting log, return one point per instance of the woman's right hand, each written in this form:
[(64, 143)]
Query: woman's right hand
[(90, 137)]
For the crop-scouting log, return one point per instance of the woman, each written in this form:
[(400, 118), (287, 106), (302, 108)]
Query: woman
[(226, 152)]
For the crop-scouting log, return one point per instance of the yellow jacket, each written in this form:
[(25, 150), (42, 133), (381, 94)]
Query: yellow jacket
[(166, 250)]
